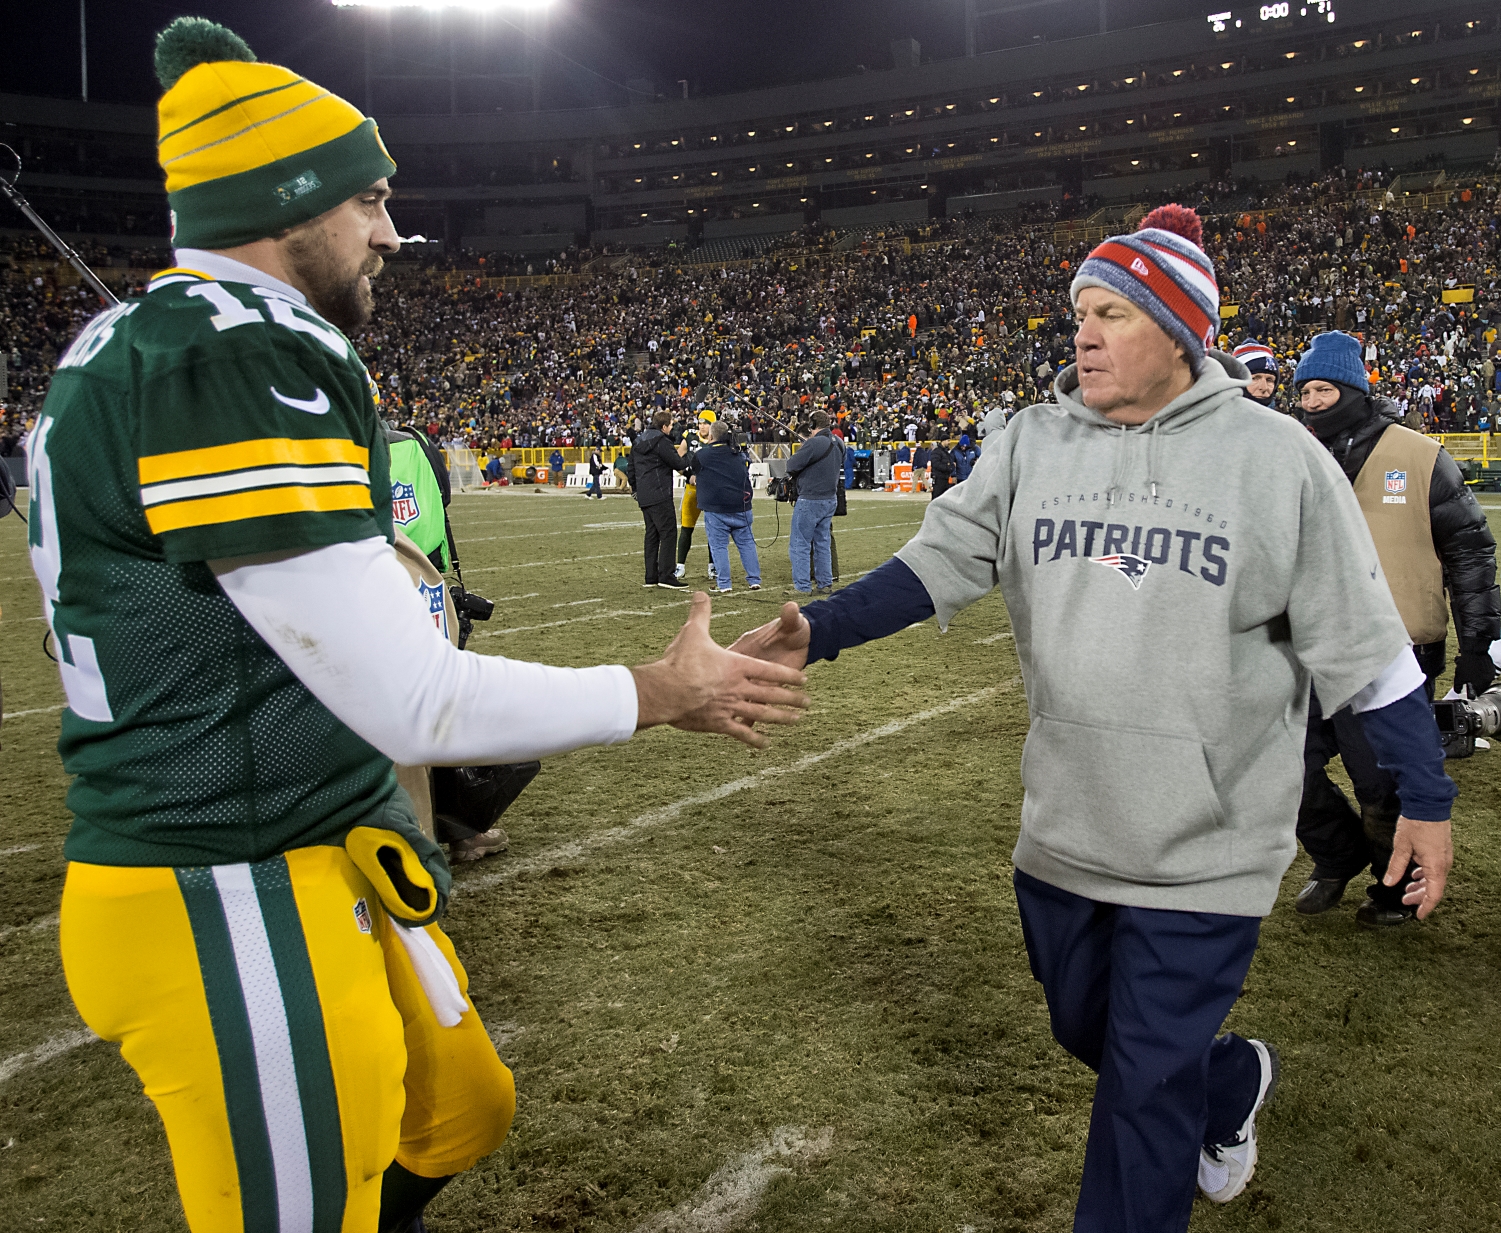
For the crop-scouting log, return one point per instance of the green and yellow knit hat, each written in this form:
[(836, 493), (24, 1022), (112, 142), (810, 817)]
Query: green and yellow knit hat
[(251, 149)]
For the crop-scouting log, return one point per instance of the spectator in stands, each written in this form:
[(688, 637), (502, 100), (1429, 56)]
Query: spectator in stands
[(817, 465), (724, 496)]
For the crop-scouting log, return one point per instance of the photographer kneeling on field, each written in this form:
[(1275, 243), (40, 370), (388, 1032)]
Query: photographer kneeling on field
[(1431, 535), (1179, 566)]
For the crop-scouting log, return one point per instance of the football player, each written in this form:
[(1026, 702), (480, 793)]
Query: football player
[(250, 909)]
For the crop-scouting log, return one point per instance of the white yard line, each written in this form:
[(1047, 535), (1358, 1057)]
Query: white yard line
[(35, 926), (734, 1191), (578, 849), (41, 710), (578, 603), (994, 638), (63, 1042), (604, 556), (596, 616), (25, 847)]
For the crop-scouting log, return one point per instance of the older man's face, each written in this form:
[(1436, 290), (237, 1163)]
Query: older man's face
[(1263, 384), (1128, 366)]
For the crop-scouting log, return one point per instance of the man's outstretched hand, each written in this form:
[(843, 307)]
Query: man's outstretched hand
[(1429, 845), (783, 641), (700, 686)]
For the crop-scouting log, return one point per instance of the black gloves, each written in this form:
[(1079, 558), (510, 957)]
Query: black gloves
[(1475, 669)]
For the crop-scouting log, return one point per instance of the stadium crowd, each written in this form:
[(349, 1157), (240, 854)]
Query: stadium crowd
[(916, 335)]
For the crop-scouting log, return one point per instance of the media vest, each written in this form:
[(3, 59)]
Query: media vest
[(1392, 489), (417, 498)]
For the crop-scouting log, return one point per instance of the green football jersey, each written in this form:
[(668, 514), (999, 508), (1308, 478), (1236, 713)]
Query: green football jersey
[(205, 420)]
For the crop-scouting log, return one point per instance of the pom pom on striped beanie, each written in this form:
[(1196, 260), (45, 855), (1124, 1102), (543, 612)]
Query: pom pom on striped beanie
[(1162, 270)]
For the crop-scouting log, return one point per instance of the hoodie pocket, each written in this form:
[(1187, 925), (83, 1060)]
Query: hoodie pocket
[(1132, 805)]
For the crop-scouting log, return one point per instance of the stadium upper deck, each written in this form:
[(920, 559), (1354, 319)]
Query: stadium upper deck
[(1113, 115)]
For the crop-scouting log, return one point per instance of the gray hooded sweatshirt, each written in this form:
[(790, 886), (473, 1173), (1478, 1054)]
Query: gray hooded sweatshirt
[(1173, 589)]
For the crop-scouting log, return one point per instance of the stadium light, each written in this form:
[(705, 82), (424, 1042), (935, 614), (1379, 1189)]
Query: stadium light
[(481, 6)]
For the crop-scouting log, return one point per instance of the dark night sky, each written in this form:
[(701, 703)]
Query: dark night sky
[(592, 46)]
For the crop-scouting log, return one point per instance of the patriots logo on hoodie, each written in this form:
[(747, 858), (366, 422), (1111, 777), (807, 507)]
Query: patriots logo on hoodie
[(1134, 568)]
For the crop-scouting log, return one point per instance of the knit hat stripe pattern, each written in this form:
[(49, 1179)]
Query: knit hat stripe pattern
[(1136, 269), (1256, 356), (252, 149)]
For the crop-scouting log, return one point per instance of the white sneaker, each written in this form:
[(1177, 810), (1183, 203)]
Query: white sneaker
[(712, 575), (681, 571), (1225, 1169)]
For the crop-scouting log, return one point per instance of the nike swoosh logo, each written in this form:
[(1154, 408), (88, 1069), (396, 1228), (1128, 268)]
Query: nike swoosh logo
[(316, 405)]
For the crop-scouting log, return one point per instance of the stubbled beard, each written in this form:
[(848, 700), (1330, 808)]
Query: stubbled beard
[(338, 296)]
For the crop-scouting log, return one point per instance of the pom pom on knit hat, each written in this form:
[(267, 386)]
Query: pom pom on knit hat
[(251, 149), (1179, 220), (1162, 270), (191, 41)]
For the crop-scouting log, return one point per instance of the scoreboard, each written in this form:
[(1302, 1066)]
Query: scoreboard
[(1281, 14)]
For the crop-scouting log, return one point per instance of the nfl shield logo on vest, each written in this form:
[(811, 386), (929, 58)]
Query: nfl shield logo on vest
[(1396, 481), (434, 597), (404, 508)]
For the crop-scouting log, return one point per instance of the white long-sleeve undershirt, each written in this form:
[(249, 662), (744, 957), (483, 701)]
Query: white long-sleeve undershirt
[(348, 622)]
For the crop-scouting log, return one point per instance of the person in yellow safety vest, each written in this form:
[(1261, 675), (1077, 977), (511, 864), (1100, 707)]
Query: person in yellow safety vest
[(688, 514)]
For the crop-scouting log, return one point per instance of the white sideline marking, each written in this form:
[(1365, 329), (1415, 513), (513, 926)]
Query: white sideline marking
[(578, 603), (604, 556), (35, 926), (41, 710), (64, 1042), (577, 849), (734, 1190), (506, 599), (994, 638), (593, 616), (25, 847)]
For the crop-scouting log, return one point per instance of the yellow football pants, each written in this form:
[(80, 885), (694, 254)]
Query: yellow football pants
[(277, 1023), (688, 512)]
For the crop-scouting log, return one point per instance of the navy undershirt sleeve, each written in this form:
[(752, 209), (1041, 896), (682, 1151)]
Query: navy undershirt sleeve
[(886, 600), (1405, 738)]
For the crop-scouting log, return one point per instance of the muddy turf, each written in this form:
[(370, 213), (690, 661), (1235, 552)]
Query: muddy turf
[(802, 1001)]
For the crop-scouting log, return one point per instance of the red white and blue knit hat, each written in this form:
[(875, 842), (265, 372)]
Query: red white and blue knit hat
[(1164, 271), (1257, 356)]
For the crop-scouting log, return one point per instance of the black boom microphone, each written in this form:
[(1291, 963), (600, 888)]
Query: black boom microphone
[(8, 187)]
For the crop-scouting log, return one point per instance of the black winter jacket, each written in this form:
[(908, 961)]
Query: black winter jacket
[(654, 460), (1461, 537)]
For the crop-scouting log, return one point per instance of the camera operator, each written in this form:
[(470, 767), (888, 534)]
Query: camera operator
[(654, 459), (1431, 535), (816, 465)]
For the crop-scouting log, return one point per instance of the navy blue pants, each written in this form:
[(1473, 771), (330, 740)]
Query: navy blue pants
[(1137, 995)]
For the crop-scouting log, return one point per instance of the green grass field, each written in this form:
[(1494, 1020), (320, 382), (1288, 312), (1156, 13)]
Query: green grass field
[(801, 1001)]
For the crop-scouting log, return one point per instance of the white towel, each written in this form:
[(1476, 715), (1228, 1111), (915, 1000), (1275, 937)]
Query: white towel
[(434, 974)]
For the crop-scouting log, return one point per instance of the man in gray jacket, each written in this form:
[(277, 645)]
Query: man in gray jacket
[(1165, 545)]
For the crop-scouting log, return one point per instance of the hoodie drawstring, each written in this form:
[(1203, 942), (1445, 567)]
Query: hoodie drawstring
[(1154, 456), (1118, 475)]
